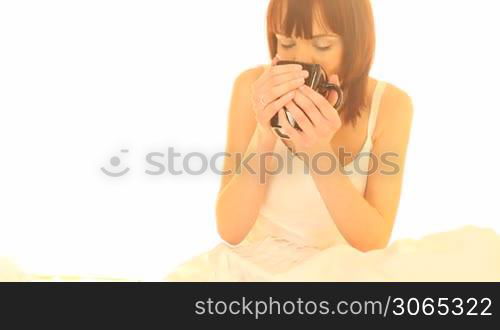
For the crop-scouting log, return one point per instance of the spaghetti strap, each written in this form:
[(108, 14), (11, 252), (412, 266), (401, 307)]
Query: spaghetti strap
[(377, 96)]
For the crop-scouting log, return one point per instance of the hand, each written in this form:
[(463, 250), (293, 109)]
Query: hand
[(272, 90), (323, 122)]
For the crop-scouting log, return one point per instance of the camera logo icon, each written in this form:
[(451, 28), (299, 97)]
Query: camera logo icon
[(115, 162)]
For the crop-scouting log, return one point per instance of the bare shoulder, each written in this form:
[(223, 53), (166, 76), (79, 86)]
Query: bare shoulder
[(396, 110), (394, 95), (242, 86), (241, 119), (241, 102), (248, 76)]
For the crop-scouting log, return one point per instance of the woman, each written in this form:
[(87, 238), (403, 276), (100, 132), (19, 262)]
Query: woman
[(330, 218)]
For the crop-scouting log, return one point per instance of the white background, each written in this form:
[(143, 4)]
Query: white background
[(81, 80)]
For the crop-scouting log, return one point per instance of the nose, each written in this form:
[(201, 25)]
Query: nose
[(304, 59), (304, 54)]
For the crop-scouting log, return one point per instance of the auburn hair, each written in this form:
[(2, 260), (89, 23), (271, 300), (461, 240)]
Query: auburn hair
[(352, 20)]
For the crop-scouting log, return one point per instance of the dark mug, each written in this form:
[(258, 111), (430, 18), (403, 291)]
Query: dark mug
[(318, 81)]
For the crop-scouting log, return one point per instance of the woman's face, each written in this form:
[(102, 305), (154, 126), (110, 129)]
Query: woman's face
[(324, 48)]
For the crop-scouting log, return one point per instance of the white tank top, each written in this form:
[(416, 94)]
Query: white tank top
[(294, 209)]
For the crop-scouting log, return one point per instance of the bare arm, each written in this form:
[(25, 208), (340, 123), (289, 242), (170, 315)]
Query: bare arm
[(366, 222), (243, 188), (240, 199)]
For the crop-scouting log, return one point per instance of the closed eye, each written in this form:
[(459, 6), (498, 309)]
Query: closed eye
[(323, 48), (287, 46)]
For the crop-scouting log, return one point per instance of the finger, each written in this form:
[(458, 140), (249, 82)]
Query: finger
[(271, 109), (284, 68), (319, 102), (308, 106), (267, 68), (278, 79), (273, 71), (275, 60), (279, 90)]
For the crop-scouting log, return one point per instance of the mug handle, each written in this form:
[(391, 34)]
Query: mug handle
[(340, 93)]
